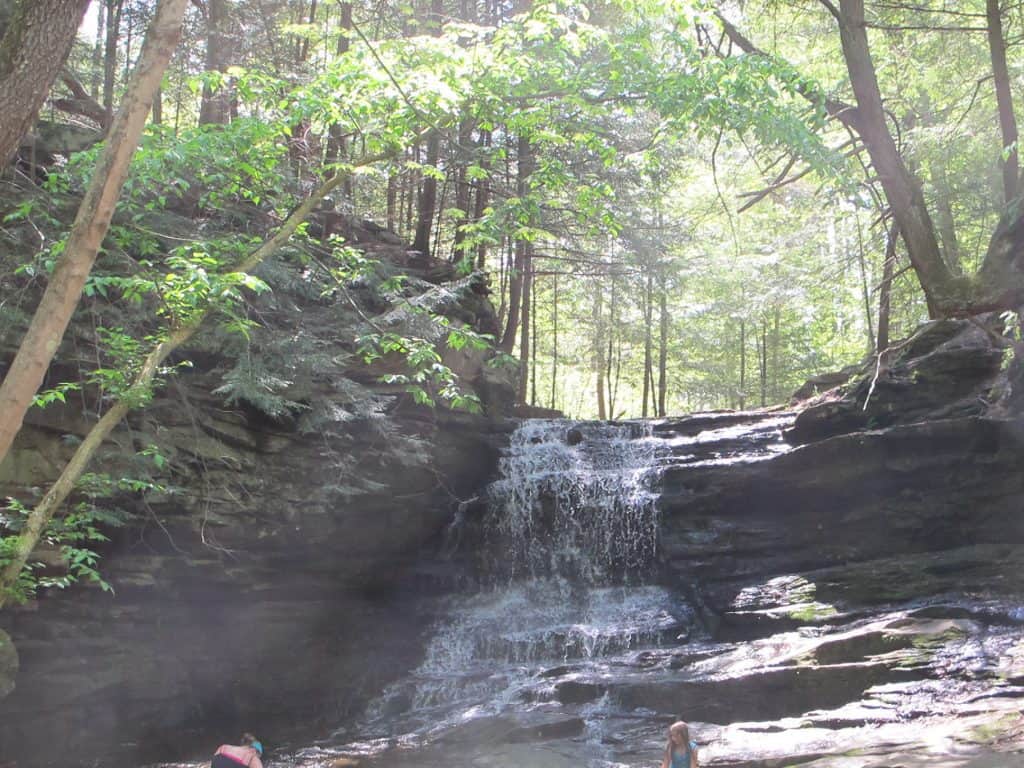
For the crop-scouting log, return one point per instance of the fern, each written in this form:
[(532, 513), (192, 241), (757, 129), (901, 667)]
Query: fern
[(250, 383)]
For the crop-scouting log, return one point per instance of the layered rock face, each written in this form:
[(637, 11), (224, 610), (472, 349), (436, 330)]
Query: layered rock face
[(274, 584), (849, 600), (863, 590), (838, 586)]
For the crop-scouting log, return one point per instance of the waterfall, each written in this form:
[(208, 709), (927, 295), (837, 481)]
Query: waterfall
[(571, 531), (576, 500)]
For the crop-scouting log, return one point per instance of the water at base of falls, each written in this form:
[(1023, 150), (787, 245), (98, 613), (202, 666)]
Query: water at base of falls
[(572, 529)]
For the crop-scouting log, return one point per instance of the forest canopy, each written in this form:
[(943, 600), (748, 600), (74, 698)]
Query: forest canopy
[(679, 205)]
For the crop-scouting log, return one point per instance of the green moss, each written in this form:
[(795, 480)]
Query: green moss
[(812, 612)]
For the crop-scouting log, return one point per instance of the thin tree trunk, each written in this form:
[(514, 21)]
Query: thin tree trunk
[(96, 76), (554, 340), (65, 286), (427, 199), (157, 113), (1004, 99), (763, 361), (743, 365), (663, 346), (114, 8), (648, 314), (599, 342), (428, 193), (483, 191), (533, 341), (885, 290), (865, 287), (776, 353), (516, 278), (611, 342), (613, 386), (391, 195), (337, 144), (944, 214), (32, 52), (524, 330), (462, 195)]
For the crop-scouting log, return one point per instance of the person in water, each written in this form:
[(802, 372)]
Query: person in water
[(248, 754), (680, 752)]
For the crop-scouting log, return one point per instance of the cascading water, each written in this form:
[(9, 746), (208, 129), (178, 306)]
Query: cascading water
[(576, 500), (572, 528)]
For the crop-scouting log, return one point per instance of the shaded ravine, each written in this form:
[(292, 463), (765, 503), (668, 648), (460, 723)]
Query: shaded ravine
[(604, 609)]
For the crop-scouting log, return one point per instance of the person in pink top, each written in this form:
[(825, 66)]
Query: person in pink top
[(248, 755)]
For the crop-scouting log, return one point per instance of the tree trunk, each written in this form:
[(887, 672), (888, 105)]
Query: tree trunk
[(483, 191), (885, 291), (524, 313), (90, 226), (428, 193), (862, 262), (599, 358), (663, 346), (114, 9), (214, 109), (648, 342), (533, 337), (763, 361), (942, 291), (743, 365), (554, 340), (96, 76), (337, 144), (776, 350), (157, 113), (428, 199), (1004, 99), (524, 170), (462, 195), (32, 52), (391, 196), (612, 336), (944, 214)]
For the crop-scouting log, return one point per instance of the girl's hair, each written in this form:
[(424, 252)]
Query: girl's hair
[(248, 738), (681, 728)]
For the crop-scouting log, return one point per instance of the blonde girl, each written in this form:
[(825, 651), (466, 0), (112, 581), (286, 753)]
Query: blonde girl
[(680, 752)]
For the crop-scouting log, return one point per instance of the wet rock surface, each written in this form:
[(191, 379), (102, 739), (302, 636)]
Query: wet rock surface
[(846, 595), (276, 585), (855, 606)]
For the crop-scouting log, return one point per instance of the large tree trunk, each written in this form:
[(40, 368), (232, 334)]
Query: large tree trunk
[(32, 52), (1004, 99), (90, 227), (942, 290)]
